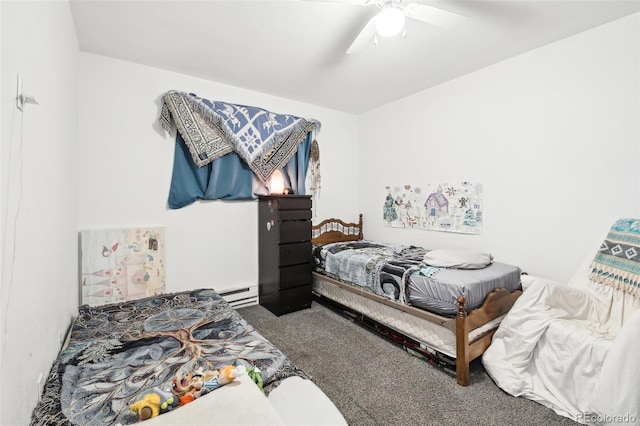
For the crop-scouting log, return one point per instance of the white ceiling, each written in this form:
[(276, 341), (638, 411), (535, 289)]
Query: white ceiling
[(296, 48)]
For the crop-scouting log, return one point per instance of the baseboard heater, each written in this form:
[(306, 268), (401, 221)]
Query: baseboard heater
[(240, 297)]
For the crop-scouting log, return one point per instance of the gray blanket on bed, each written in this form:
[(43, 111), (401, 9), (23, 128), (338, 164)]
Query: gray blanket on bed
[(439, 293)]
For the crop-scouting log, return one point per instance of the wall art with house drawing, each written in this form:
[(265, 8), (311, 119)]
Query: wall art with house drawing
[(448, 207)]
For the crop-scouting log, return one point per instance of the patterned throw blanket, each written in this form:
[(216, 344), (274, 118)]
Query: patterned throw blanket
[(119, 352), (266, 141), (617, 263), (381, 268)]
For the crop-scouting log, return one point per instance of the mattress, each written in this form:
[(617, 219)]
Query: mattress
[(432, 336), (438, 292), (118, 353), (399, 273)]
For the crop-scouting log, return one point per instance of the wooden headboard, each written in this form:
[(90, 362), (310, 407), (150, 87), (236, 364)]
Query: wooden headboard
[(334, 230)]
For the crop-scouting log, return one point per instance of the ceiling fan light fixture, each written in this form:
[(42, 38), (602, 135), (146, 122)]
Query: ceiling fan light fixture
[(390, 21)]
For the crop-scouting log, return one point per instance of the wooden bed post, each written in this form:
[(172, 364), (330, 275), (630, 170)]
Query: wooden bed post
[(360, 234), (462, 343)]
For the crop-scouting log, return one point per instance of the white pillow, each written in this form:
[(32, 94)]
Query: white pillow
[(457, 258)]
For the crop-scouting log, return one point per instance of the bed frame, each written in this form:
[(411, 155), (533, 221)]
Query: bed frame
[(496, 304)]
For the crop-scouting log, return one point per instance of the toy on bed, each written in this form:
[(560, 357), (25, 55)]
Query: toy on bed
[(256, 375), (153, 403), (188, 387), (184, 389), (226, 375)]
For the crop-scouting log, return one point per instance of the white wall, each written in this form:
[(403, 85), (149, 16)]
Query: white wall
[(39, 200), (553, 136), (126, 161)]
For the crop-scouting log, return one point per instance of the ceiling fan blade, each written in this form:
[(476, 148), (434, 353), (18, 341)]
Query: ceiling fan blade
[(431, 15), (361, 41), (359, 2)]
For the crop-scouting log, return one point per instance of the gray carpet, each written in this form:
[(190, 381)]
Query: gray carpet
[(373, 382)]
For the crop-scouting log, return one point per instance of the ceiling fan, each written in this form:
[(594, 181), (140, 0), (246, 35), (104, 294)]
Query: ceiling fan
[(390, 21)]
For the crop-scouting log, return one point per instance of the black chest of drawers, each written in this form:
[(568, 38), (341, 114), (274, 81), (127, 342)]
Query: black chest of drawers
[(285, 261)]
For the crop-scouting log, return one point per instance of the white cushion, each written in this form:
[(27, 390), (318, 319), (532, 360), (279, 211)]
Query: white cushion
[(457, 258), (528, 280), (300, 402)]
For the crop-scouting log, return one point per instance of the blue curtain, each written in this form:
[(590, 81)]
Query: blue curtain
[(228, 177)]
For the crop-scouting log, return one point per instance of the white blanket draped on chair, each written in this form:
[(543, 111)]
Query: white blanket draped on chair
[(573, 348)]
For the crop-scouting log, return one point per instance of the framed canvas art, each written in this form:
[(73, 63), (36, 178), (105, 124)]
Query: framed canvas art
[(121, 264), (445, 206)]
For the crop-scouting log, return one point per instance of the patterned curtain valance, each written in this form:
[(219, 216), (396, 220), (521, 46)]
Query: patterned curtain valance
[(266, 141)]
